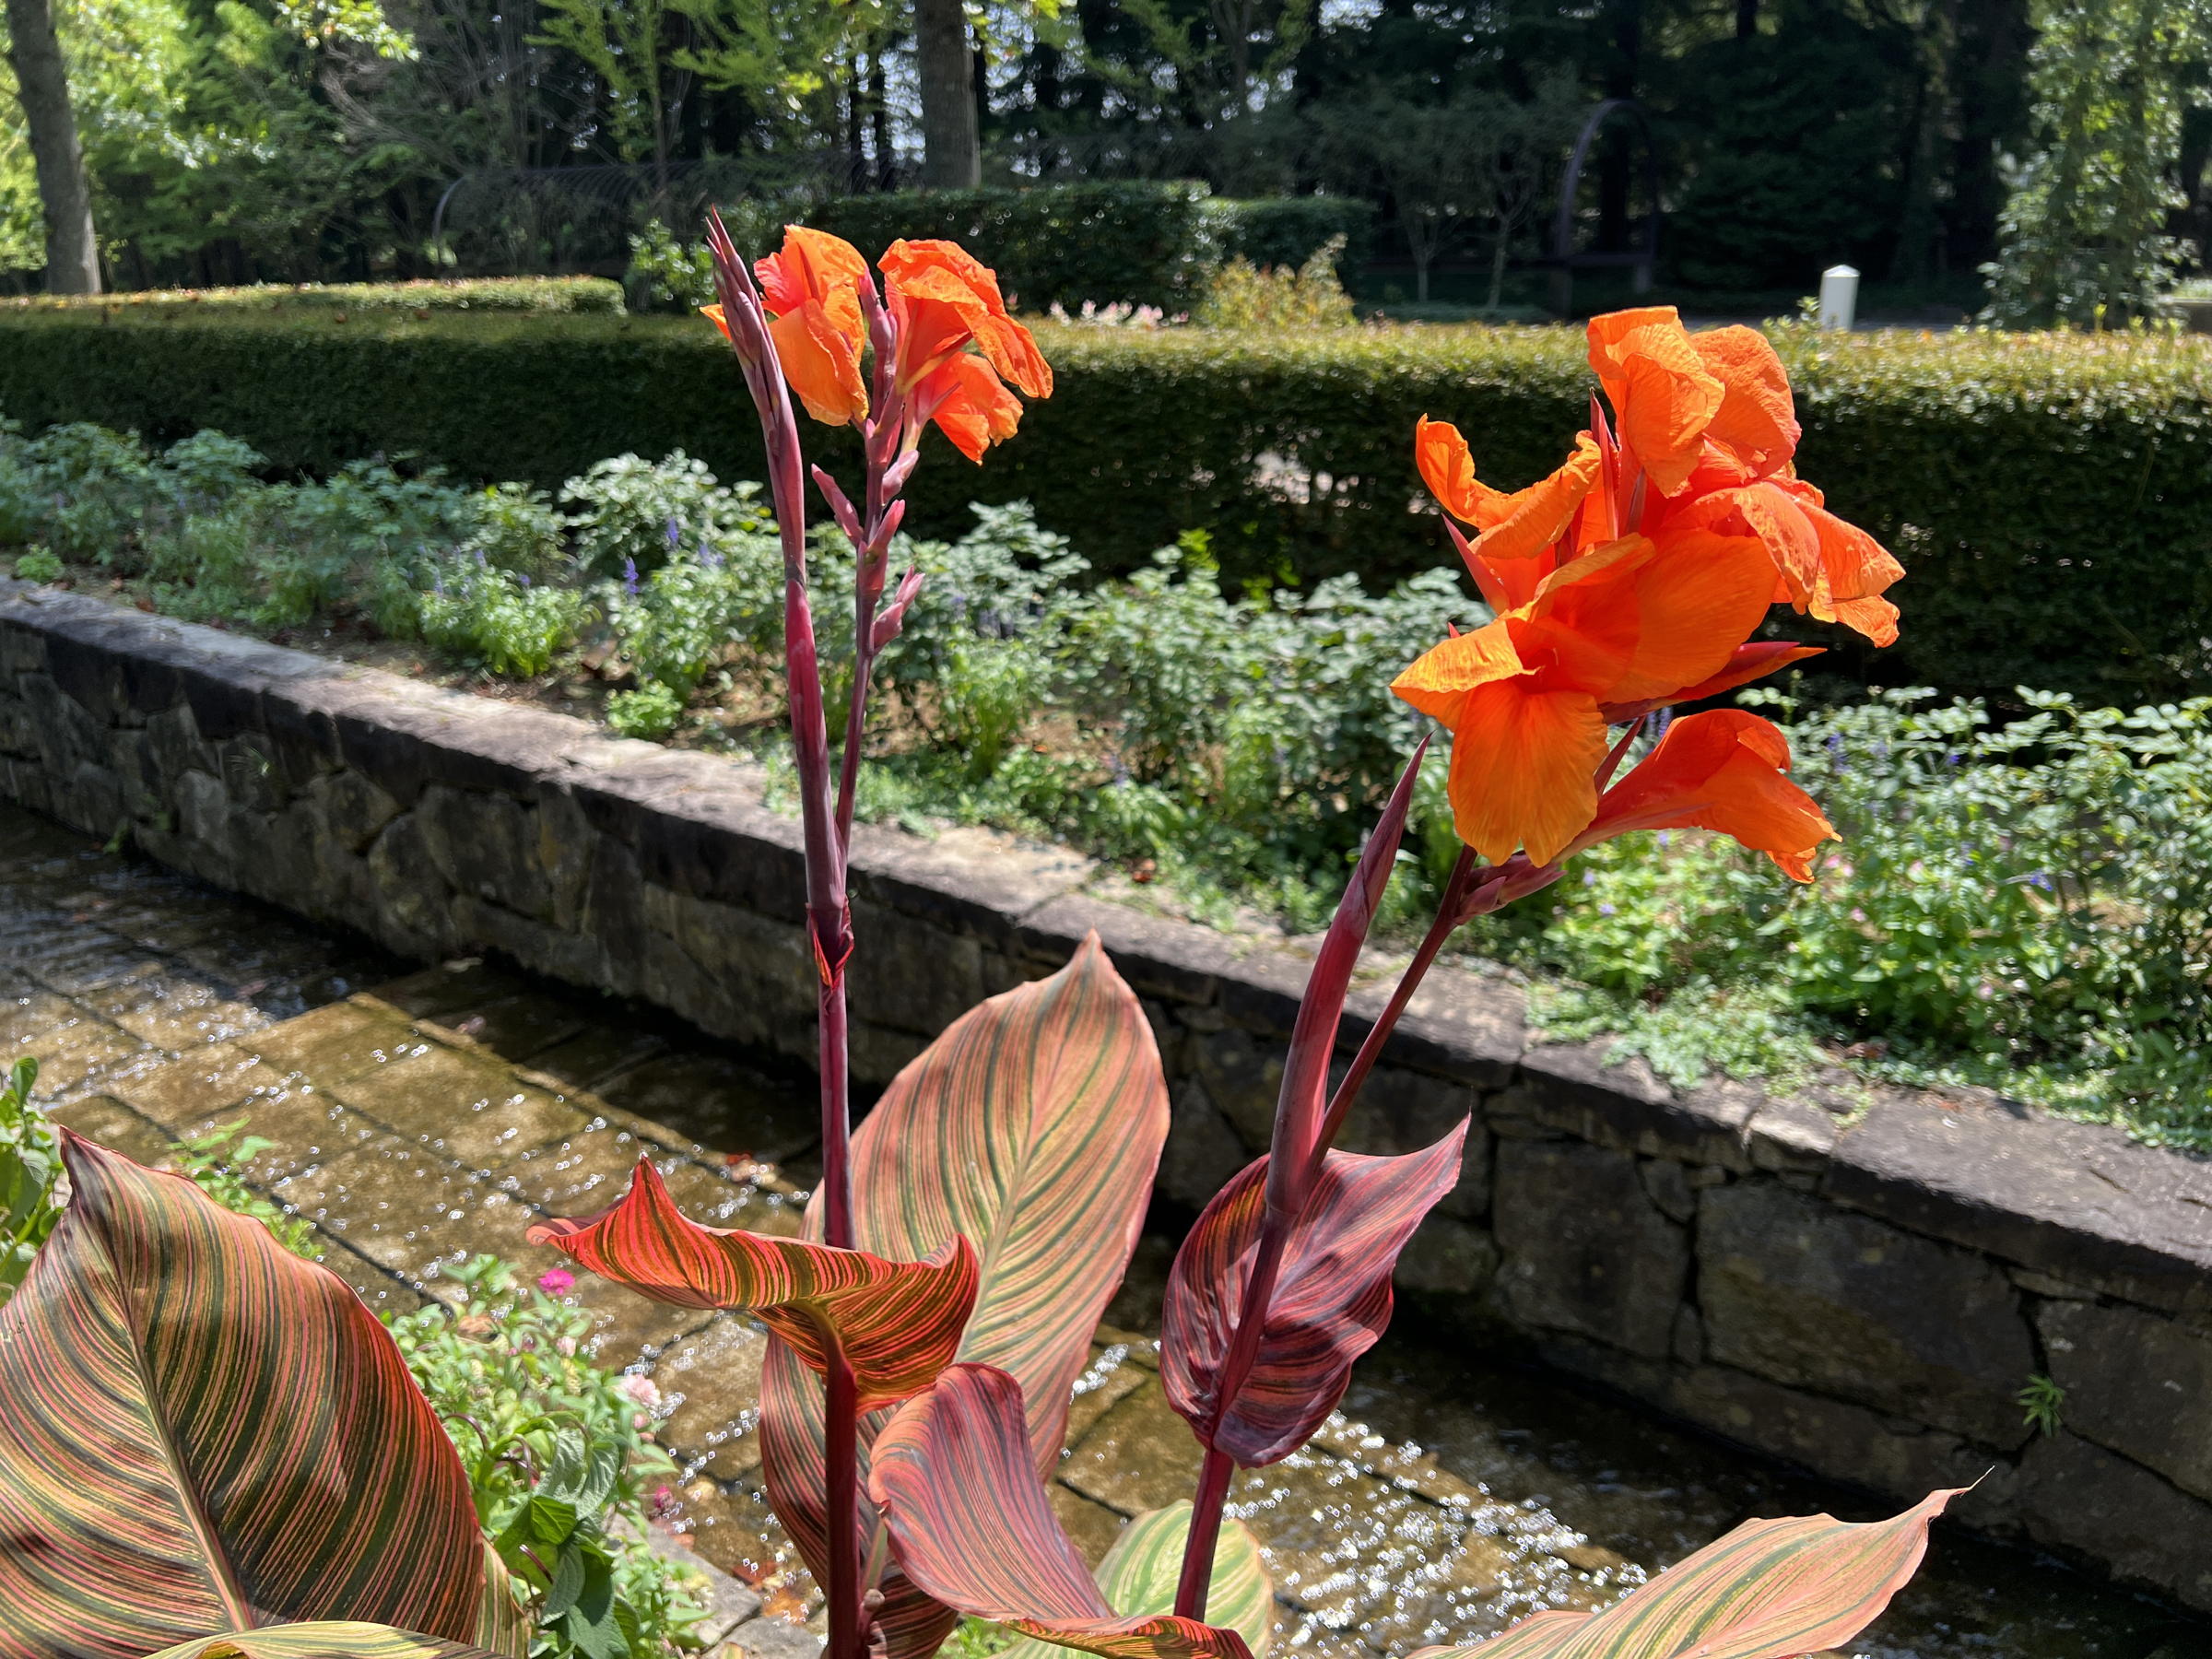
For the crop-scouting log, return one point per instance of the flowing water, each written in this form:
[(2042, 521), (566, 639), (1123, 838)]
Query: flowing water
[(416, 1117)]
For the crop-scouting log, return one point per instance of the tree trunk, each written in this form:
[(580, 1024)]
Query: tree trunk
[(1498, 269), (42, 84), (953, 156)]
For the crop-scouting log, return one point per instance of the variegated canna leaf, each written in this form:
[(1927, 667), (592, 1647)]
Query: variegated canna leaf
[(1140, 1571), (973, 1527), (897, 1323), (204, 1433), (1769, 1590), (344, 1640), (1332, 1297), (1032, 1127)]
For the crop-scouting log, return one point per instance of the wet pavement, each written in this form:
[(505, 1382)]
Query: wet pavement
[(419, 1116)]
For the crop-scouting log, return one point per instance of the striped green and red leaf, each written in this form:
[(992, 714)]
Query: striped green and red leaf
[(320, 1641), (897, 1323), (1032, 1126), (1140, 1571), (1769, 1590), (205, 1433), (973, 1526), (1331, 1296)]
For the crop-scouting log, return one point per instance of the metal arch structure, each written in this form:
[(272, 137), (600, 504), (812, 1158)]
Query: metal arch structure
[(1565, 260)]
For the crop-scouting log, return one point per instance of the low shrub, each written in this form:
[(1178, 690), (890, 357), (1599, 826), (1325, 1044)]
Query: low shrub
[(560, 1454), (1142, 243), (1242, 296), (2094, 578), (551, 294), (1283, 232)]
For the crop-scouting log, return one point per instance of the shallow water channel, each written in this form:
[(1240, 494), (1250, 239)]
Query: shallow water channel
[(417, 1115)]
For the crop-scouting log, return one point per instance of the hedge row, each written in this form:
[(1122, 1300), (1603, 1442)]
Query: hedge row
[(556, 294), (2051, 496), (1145, 243)]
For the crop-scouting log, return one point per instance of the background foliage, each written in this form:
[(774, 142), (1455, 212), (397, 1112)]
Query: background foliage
[(2043, 492)]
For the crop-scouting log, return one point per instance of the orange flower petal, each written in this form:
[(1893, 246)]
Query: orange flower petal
[(1664, 396), (1522, 768), (819, 359), (712, 313), (943, 297), (1439, 681), (1757, 417), (1517, 524), (1830, 568), (812, 290), (970, 406), (1699, 598), (1720, 770), (810, 264)]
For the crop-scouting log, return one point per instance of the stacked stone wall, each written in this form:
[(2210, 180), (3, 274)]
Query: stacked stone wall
[(1860, 1284)]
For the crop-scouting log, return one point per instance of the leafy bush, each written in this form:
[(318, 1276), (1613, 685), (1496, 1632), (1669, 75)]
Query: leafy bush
[(2020, 904), (1145, 243), (500, 619), (1265, 298), (561, 1458), (30, 1160), (669, 275), (631, 514), (38, 565), (550, 294), (2095, 578), (1283, 232)]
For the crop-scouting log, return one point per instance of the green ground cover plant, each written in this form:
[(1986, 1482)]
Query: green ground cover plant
[(2043, 489), (2018, 906)]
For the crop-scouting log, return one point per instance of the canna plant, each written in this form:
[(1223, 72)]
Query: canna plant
[(965, 1239), (209, 1447)]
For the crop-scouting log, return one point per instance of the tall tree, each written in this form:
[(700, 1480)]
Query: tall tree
[(34, 53), (952, 144), (2084, 231)]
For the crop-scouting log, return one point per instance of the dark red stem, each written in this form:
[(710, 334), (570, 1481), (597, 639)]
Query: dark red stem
[(1191, 1590), (1450, 914), (847, 1620), (828, 917), (1213, 1477)]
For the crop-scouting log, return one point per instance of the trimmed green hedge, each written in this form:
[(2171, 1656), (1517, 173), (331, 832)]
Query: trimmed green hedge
[(559, 294), (2051, 495), (1143, 243)]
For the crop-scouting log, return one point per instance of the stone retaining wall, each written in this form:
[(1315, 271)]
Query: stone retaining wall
[(1863, 1288)]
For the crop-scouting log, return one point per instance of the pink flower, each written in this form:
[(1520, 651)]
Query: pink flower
[(556, 1281)]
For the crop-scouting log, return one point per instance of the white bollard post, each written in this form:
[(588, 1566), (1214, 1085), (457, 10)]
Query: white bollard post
[(1839, 297)]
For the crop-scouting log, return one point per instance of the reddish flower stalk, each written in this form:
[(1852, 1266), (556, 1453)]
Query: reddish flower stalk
[(1294, 1163), (829, 913)]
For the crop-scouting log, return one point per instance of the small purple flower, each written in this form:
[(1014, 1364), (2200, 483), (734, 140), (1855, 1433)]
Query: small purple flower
[(520, 577), (556, 1281), (710, 559), (1660, 722), (629, 577), (1604, 910), (674, 532)]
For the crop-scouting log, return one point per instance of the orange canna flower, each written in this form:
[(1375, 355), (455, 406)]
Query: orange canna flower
[(1663, 394), (1526, 697), (1708, 420), (1515, 525), (1718, 770), (970, 403), (811, 290), (942, 298)]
